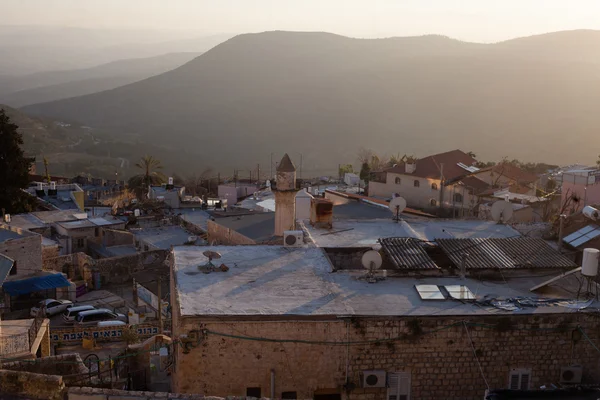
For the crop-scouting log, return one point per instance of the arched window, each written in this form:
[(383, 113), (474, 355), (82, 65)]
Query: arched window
[(458, 198), (434, 186), (398, 181), (417, 183), (433, 203)]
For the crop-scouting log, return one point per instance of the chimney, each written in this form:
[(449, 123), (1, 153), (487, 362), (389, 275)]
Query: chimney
[(410, 167)]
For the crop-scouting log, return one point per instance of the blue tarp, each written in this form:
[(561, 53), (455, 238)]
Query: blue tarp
[(37, 284)]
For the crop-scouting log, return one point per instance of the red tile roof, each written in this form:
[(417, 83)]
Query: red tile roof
[(512, 172), (430, 167)]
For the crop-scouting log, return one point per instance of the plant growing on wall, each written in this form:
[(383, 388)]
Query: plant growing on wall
[(130, 335)]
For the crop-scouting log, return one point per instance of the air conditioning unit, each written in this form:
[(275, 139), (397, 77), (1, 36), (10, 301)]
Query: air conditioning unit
[(571, 374), (373, 379), (293, 238)]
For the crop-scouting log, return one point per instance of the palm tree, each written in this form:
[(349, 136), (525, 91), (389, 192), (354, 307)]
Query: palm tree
[(149, 176)]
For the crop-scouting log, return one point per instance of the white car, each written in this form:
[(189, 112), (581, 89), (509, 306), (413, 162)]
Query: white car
[(51, 307)]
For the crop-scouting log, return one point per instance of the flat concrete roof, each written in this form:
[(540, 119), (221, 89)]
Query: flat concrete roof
[(282, 281), (199, 218), (259, 227), (26, 221), (361, 233), (82, 223), (163, 237), (7, 234), (49, 217)]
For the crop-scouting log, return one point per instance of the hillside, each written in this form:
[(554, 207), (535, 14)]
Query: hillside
[(55, 85), (72, 149), (325, 96)]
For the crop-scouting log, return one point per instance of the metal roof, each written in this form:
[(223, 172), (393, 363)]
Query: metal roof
[(504, 253), (407, 253)]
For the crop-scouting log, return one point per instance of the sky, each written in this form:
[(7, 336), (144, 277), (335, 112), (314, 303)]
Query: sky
[(471, 20)]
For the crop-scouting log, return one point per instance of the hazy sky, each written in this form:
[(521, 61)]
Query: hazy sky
[(474, 20)]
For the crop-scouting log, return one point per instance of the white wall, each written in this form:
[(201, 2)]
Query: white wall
[(421, 196)]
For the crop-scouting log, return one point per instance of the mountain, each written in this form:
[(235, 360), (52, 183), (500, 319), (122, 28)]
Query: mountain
[(56, 85), (325, 96), (29, 49)]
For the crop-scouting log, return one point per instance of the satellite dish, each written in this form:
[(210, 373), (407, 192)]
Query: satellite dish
[(397, 205), (211, 255), (371, 260), (502, 211)]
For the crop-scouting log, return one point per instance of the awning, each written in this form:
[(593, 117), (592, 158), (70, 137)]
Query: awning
[(36, 284)]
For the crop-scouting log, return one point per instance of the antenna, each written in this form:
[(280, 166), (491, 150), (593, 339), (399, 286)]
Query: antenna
[(502, 211), (372, 261), (397, 205)]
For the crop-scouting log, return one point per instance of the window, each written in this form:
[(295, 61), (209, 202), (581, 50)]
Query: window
[(458, 198), (519, 379), (80, 243), (289, 395), (433, 203), (398, 181), (13, 270), (398, 386), (417, 183), (434, 186), (253, 392)]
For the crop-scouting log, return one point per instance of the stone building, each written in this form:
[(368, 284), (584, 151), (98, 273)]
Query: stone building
[(24, 248), (284, 323)]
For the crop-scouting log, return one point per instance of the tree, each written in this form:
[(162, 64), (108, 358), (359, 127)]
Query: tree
[(150, 176), (365, 172), (598, 162), (14, 169), (345, 168), (47, 174)]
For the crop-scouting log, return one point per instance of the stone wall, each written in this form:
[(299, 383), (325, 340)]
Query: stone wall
[(220, 234), (87, 393), (121, 269), (112, 270), (113, 237), (49, 252), (26, 252), (65, 364), (437, 352), (31, 385)]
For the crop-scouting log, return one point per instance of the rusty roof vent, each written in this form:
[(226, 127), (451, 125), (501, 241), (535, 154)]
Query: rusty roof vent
[(321, 213)]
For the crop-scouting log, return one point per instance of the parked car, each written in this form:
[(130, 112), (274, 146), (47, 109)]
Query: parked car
[(92, 317), (104, 324), (51, 307), (71, 313)]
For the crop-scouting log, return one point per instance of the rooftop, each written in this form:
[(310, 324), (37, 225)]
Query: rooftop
[(82, 223), (8, 233), (258, 227), (274, 280), (430, 167), (48, 217), (195, 217), (164, 237), (26, 221), (365, 233)]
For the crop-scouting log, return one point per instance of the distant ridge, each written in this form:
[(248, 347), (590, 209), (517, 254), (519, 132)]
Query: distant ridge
[(326, 95)]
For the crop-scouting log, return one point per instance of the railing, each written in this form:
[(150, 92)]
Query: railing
[(34, 328)]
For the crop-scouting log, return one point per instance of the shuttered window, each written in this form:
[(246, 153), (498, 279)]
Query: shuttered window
[(398, 386), (519, 379)]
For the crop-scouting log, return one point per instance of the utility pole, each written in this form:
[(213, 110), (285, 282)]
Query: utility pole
[(160, 317), (258, 176), (300, 165), (271, 171)]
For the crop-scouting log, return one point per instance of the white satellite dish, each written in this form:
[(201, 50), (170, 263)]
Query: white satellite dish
[(371, 260), (397, 205), (502, 211)]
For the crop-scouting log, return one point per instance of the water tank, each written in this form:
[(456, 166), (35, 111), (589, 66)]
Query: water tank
[(136, 212), (591, 212), (589, 265)]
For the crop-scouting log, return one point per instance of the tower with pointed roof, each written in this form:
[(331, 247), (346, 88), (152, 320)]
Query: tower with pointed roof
[(285, 196)]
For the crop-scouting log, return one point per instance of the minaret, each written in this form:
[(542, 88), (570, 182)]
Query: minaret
[(285, 196)]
